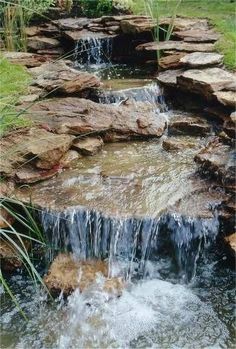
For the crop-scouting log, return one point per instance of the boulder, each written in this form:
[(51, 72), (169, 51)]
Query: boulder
[(172, 61), (30, 146), (217, 160), (169, 77), (175, 46), (26, 59), (88, 146), (79, 116), (189, 125), (60, 78), (196, 35), (227, 98), (201, 59), (231, 241), (206, 81), (176, 144), (42, 43), (66, 274)]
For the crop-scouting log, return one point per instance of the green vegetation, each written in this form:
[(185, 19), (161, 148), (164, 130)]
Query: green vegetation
[(220, 12), (95, 8), (14, 82)]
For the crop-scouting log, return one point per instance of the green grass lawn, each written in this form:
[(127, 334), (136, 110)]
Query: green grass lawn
[(221, 13), (14, 81)]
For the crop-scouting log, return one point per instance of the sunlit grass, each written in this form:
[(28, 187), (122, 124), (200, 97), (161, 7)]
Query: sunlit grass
[(221, 14)]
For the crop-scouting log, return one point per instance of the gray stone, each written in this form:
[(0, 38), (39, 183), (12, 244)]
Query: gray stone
[(227, 98), (196, 35), (200, 59), (169, 77), (88, 146), (175, 46)]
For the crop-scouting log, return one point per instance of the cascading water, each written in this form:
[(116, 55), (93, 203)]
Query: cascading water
[(93, 51)]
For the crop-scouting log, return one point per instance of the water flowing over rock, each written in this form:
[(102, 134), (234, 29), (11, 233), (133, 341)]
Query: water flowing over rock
[(78, 116)]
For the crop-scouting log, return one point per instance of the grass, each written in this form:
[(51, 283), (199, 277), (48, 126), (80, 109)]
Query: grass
[(221, 14), (14, 82)]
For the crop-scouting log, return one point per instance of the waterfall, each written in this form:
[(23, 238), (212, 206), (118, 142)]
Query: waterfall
[(134, 241), (93, 51)]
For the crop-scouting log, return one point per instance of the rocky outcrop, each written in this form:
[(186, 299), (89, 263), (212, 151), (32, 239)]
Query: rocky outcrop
[(88, 146), (79, 116), (66, 274), (59, 78), (22, 150)]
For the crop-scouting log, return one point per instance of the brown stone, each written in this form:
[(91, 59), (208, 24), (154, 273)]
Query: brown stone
[(176, 144), (60, 78), (86, 34), (169, 77), (10, 257), (26, 59), (6, 219), (175, 46), (231, 241), (229, 126), (137, 25), (189, 125), (201, 59), (42, 43), (69, 158), (196, 35), (217, 160), (184, 23), (78, 116), (29, 174), (72, 23), (206, 81), (227, 98), (88, 146), (171, 61)]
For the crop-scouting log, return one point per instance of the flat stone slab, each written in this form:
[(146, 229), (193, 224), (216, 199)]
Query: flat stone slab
[(169, 77), (175, 46), (88, 146), (196, 35), (79, 116), (172, 61), (61, 78), (42, 43), (201, 59), (137, 25), (206, 81), (26, 59), (227, 98), (183, 23), (179, 143), (72, 23), (86, 34), (188, 124)]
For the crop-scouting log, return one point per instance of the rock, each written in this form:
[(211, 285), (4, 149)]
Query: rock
[(169, 77), (68, 158), (172, 61), (201, 59), (231, 241), (217, 160), (42, 43), (10, 258), (79, 116), (206, 81), (227, 98), (189, 125), (46, 28), (6, 188), (6, 219), (67, 274), (26, 59), (86, 34), (88, 146), (30, 146), (137, 25), (176, 144), (229, 126), (184, 23), (196, 35), (175, 46), (60, 78), (72, 23), (28, 174)]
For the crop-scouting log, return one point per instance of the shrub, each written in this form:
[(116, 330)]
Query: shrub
[(96, 8)]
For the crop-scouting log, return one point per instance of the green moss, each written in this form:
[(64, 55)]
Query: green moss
[(221, 14), (14, 82)]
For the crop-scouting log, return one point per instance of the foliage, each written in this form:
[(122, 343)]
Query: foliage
[(14, 82), (221, 14), (96, 8), (123, 5)]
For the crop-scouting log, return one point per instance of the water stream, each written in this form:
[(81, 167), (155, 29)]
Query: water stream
[(146, 213)]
